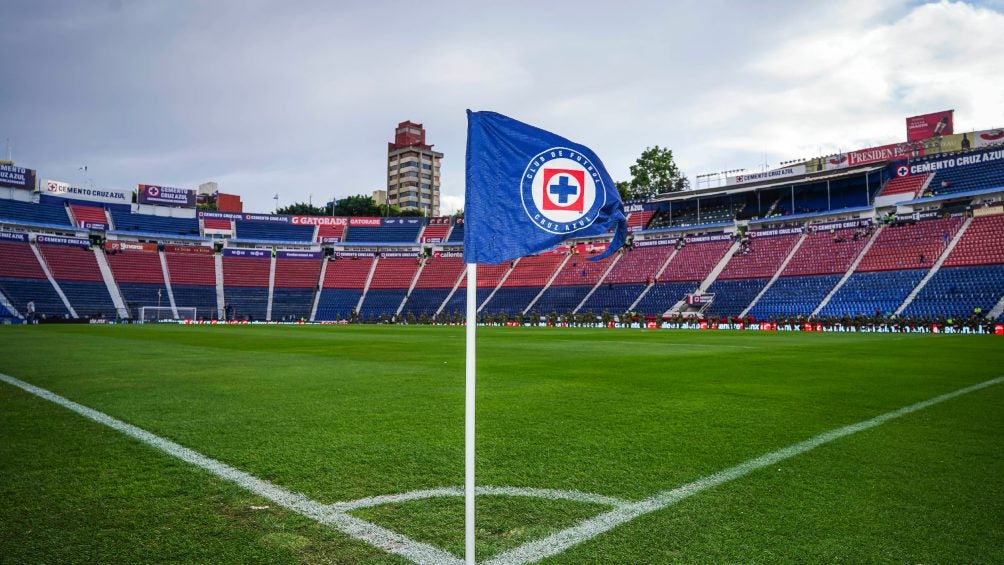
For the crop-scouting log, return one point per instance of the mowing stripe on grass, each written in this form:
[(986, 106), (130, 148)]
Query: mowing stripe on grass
[(387, 540), (533, 551), (336, 515)]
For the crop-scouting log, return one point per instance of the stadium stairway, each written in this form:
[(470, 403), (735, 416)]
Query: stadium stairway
[(167, 282), (849, 273), (317, 289), (8, 307), (502, 279), (998, 310), (52, 280), (713, 275), (271, 288), (652, 283), (777, 274), (548, 284), (366, 285), (411, 287), (934, 268), (609, 268), (221, 300), (113, 286), (456, 287)]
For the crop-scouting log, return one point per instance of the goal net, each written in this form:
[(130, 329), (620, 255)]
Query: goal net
[(165, 314)]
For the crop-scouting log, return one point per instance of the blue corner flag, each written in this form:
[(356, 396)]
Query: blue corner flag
[(529, 189)]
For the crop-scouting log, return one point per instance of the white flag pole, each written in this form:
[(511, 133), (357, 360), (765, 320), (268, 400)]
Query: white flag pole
[(472, 324)]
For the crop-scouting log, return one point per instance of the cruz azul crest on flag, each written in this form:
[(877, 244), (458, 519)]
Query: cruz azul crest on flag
[(562, 191)]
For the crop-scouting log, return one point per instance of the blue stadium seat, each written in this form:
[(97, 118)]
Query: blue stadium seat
[(89, 299), (382, 302), (291, 304), (457, 235), (613, 298), (337, 303), (956, 291), (864, 293), (137, 295), (426, 300), (200, 297), (734, 295), (403, 233), (662, 296), (34, 213), (20, 291), (248, 302), (265, 231), (146, 223), (562, 298), (512, 300), (793, 296)]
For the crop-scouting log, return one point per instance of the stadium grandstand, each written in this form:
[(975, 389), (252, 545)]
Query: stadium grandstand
[(910, 234)]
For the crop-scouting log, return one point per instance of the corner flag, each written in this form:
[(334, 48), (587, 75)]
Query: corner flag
[(529, 189)]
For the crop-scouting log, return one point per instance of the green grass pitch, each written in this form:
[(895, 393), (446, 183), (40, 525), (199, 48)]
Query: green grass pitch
[(343, 413)]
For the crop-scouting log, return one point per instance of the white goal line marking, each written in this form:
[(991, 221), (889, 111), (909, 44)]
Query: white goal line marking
[(336, 515)]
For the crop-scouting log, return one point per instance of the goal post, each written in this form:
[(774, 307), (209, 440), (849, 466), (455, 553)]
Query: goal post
[(151, 314)]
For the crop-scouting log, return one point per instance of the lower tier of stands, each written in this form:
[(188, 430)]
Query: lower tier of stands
[(662, 296), (291, 304), (733, 296), (21, 291), (200, 297), (89, 299), (562, 298), (247, 302), (512, 300), (137, 295), (426, 301), (957, 291), (867, 293), (794, 296), (613, 298), (337, 303), (382, 302)]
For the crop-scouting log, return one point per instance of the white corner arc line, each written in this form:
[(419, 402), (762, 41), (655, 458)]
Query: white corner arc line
[(387, 540), (546, 493), (587, 529)]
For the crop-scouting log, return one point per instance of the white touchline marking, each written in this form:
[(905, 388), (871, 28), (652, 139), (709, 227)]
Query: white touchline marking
[(336, 515), (533, 551), (387, 540)]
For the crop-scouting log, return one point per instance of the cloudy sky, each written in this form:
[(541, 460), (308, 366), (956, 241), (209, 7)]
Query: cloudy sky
[(300, 98)]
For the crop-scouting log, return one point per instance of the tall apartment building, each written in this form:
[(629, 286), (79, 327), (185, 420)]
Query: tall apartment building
[(413, 170)]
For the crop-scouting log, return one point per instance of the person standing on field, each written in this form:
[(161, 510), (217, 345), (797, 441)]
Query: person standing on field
[(29, 311)]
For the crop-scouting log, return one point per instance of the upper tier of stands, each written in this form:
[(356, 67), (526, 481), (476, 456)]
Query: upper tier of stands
[(908, 186), (390, 233), (976, 176), (146, 223), (435, 233), (16, 211), (266, 231), (88, 215)]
